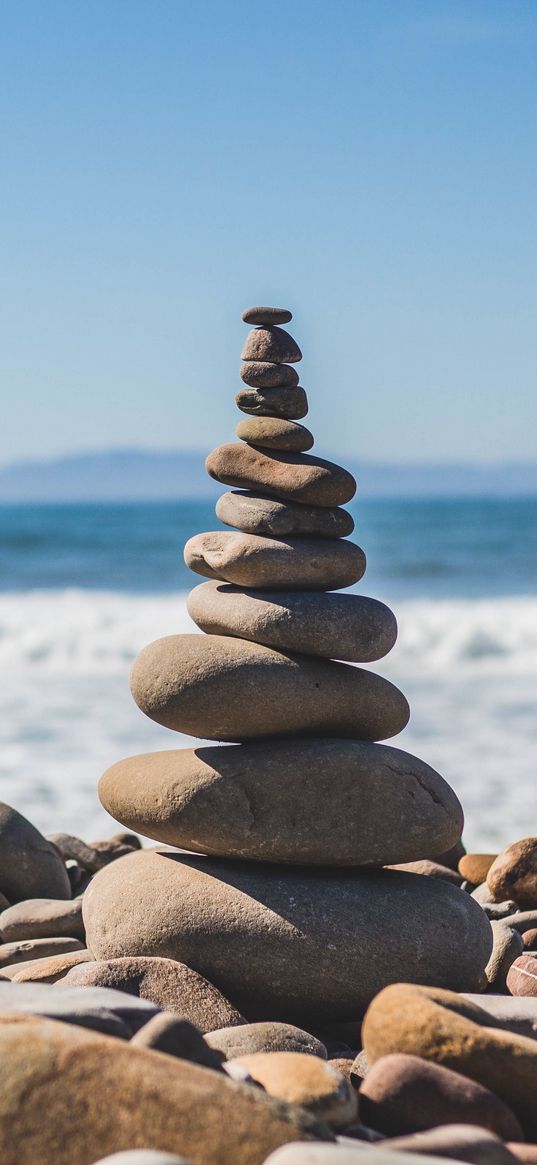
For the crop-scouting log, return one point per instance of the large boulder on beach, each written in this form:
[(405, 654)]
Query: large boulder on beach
[(261, 801), (68, 1095), (285, 942), (30, 866), (222, 688)]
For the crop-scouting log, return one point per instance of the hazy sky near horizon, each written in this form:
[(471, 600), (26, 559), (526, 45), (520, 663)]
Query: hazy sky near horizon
[(371, 164)]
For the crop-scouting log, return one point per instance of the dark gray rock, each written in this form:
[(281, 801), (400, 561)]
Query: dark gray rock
[(42, 918), (30, 867), (111, 1012), (267, 315)]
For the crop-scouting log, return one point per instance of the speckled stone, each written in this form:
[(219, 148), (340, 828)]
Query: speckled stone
[(275, 433), (271, 344), (293, 477), (266, 374), (256, 514), (295, 564), (287, 401)]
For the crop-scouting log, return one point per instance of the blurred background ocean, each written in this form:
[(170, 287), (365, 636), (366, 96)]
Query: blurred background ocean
[(84, 586)]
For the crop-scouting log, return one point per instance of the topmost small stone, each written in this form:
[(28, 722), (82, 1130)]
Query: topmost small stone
[(267, 315)]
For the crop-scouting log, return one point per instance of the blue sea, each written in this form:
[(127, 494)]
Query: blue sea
[(84, 587)]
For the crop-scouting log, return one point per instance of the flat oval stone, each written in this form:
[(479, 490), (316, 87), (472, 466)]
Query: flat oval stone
[(450, 1030), (30, 866), (220, 688), (164, 982), (36, 948), (42, 918), (264, 1037), (295, 477), (47, 970), (311, 945), (275, 433), (71, 1096), (256, 514), (261, 802), (265, 374), (267, 315), (271, 344), (349, 627), (300, 564)]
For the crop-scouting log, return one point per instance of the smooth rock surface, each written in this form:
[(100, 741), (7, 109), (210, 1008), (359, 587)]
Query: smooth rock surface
[(513, 874), (267, 315), (266, 374), (176, 1036), (166, 983), (275, 433), (93, 1007), (142, 1157), (287, 943), (47, 970), (359, 1152), (101, 1096), (475, 867), (294, 477), (507, 946), (308, 1081), (406, 1094), (288, 400), (30, 867), (234, 1042), (219, 688), (459, 1142), (271, 343), (298, 564), (518, 1015), (343, 627), (261, 802), (42, 918), (448, 1029), (36, 948), (256, 514), (522, 975)]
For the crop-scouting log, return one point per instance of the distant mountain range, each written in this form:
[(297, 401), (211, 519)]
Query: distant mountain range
[(139, 475)]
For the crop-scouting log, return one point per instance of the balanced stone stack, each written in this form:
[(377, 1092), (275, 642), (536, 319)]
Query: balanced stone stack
[(282, 901)]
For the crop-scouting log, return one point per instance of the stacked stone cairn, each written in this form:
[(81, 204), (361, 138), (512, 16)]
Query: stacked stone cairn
[(282, 900)]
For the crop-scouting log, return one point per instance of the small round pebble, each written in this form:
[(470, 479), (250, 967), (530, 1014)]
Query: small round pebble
[(267, 374), (267, 315)]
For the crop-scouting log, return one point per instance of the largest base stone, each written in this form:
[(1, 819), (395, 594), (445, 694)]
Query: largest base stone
[(289, 943)]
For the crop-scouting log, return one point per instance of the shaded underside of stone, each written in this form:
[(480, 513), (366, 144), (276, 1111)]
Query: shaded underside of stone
[(346, 627), (288, 943), (221, 688), (262, 802)]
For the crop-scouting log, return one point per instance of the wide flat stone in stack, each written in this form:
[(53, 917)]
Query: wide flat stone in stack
[(283, 903)]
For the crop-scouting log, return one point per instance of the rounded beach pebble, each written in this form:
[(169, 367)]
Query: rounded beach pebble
[(270, 343), (260, 802), (256, 514), (275, 433), (513, 874), (221, 688), (294, 564), (30, 867), (294, 477), (264, 1037), (306, 1080), (308, 944)]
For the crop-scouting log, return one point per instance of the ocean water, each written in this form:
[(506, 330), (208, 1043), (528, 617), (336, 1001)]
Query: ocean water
[(84, 587)]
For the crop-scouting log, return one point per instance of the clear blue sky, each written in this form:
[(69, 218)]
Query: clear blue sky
[(370, 164)]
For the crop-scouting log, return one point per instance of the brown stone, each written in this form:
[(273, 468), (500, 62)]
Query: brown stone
[(176, 1036), (266, 374), (35, 948), (94, 856), (167, 983), (42, 918), (294, 477), (267, 315), (260, 801), (249, 560), (275, 433), (343, 627), (308, 1081), (233, 1042), (70, 1095), (47, 970), (255, 514), (272, 344), (523, 1152), (507, 946), (529, 940), (219, 688), (450, 1030), (513, 874), (302, 943), (522, 976), (429, 869), (475, 867), (29, 865), (406, 1094), (287, 401)]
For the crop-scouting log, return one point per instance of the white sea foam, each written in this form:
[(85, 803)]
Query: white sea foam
[(467, 666)]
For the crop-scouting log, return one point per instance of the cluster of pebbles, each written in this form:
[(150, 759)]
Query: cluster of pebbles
[(308, 966)]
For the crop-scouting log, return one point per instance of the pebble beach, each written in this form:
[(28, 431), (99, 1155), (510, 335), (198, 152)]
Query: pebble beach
[(266, 934)]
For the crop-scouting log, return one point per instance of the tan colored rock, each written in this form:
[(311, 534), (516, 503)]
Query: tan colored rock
[(70, 1095), (522, 975), (307, 944), (35, 948), (312, 1083), (507, 946), (47, 970), (255, 514), (294, 477), (270, 1036), (165, 982), (219, 688), (475, 867), (513, 874), (42, 918), (447, 1029), (249, 560), (275, 433), (265, 374), (270, 343), (261, 801), (344, 627)]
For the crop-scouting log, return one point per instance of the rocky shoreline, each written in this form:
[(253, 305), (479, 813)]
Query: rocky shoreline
[(307, 966)]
